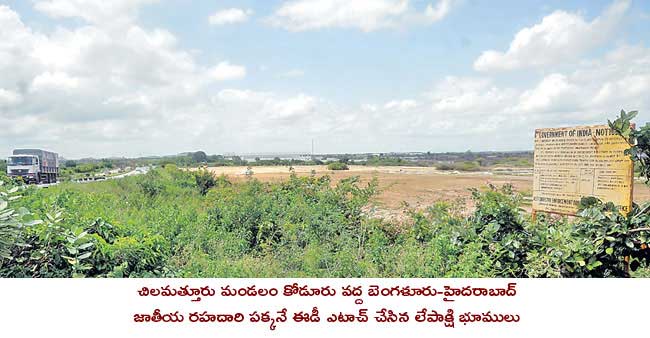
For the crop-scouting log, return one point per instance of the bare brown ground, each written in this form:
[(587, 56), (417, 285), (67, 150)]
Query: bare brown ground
[(417, 186)]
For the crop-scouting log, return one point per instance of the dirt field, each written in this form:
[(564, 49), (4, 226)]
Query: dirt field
[(417, 186)]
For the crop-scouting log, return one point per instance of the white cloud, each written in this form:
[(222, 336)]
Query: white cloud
[(620, 80), (558, 38), (268, 106), (226, 71), (94, 11), (292, 108), (101, 88), (553, 93), (239, 95), (478, 114), (9, 98), (366, 15), (441, 9), (132, 101), (631, 88), (465, 96), (401, 105), (126, 90), (11, 25), (230, 16), (54, 81)]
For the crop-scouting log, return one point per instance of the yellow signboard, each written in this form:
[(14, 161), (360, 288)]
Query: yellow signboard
[(571, 163)]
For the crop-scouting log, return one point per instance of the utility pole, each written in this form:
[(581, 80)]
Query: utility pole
[(312, 149)]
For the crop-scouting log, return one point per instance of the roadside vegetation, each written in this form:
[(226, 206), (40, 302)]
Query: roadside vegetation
[(176, 223)]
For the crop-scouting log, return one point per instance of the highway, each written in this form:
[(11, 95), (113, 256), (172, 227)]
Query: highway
[(134, 172)]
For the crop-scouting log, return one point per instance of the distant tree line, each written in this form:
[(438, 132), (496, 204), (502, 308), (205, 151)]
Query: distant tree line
[(462, 161)]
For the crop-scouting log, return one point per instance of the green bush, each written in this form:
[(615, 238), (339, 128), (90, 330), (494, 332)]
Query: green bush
[(11, 221), (459, 166), (337, 166), (49, 249), (150, 184), (4, 179), (205, 180), (500, 227)]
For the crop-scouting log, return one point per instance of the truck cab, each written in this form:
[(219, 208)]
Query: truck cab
[(26, 167), (33, 166)]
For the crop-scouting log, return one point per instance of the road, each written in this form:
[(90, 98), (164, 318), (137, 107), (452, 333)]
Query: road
[(136, 171)]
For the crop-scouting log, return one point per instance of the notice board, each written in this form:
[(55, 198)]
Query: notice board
[(571, 163)]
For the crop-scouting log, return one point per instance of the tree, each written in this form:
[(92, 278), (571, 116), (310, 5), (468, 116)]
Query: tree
[(236, 160), (199, 157), (106, 163), (205, 180), (215, 158), (70, 164)]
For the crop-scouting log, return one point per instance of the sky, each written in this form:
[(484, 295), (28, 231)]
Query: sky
[(96, 78)]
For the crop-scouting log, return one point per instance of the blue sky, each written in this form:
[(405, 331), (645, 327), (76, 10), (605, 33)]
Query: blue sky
[(164, 76)]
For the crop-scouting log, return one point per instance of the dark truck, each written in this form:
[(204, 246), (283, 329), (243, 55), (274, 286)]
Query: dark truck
[(33, 166)]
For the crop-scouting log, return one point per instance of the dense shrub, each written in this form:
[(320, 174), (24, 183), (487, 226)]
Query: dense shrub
[(4, 179), (11, 221), (460, 166), (205, 180), (500, 227), (150, 184), (337, 166)]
